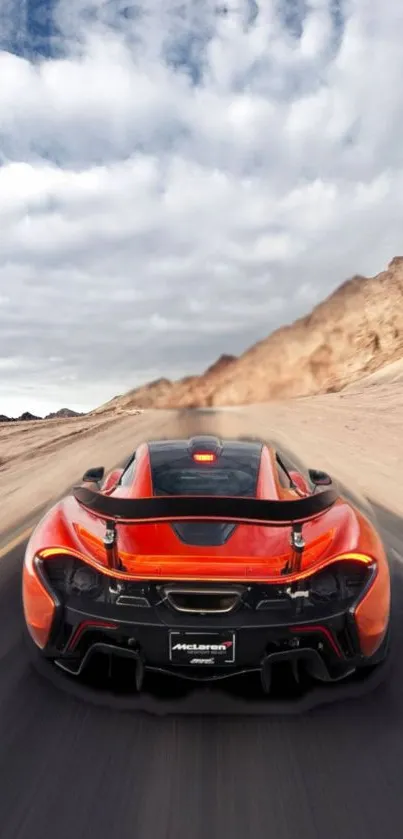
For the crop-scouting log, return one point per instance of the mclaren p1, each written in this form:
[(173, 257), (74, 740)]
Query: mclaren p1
[(203, 559)]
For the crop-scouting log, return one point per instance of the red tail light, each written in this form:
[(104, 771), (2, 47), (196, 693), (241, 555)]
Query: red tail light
[(204, 457)]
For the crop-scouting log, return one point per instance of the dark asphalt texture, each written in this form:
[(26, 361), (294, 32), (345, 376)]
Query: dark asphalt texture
[(74, 771)]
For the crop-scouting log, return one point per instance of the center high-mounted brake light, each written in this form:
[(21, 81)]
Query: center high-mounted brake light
[(204, 457)]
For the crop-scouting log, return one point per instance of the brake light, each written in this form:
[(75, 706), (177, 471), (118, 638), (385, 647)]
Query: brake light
[(204, 457)]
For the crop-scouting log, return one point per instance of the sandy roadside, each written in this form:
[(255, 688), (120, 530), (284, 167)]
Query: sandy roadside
[(357, 436), (39, 460), (354, 435)]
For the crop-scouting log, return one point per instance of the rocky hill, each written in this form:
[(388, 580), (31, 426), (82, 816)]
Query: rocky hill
[(190, 391), (357, 330), (64, 413), (346, 339)]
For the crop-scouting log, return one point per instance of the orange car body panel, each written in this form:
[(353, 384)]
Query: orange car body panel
[(39, 607), (255, 553)]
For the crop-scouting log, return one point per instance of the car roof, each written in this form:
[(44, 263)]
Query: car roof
[(206, 442)]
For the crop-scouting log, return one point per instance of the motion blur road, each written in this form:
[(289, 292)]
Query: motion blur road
[(72, 770)]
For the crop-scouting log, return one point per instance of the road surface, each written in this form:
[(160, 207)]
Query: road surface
[(72, 771)]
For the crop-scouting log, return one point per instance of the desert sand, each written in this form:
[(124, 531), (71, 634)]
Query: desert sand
[(355, 435), (329, 388)]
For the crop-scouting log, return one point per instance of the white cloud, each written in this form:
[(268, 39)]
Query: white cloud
[(176, 181)]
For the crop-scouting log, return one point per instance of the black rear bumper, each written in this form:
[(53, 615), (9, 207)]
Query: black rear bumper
[(326, 647), (204, 635)]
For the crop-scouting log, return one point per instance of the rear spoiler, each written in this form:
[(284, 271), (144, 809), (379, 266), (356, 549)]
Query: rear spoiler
[(221, 508), (134, 511)]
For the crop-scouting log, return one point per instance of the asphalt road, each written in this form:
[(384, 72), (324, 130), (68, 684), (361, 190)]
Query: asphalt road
[(71, 770)]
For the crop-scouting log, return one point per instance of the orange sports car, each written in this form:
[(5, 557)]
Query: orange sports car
[(206, 558)]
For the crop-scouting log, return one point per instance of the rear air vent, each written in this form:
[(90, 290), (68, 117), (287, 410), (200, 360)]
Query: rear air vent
[(341, 581), (56, 571), (200, 600), (130, 600), (69, 576), (204, 533)]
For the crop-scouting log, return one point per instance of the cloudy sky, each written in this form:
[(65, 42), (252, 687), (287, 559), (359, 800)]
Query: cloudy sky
[(180, 177)]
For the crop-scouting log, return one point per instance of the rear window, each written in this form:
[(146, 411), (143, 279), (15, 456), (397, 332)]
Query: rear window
[(206, 480)]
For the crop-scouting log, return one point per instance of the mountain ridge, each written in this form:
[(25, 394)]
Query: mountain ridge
[(26, 416), (353, 332)]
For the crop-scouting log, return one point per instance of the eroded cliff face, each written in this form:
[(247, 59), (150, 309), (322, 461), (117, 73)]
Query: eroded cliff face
[(357, 330)]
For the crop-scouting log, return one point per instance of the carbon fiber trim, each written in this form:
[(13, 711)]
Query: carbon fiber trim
[(176, 508)]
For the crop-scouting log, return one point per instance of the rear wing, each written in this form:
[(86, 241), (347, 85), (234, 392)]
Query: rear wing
[(135, 511), (199, 507)]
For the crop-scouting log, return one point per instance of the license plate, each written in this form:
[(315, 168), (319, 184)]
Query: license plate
[(209, 648)]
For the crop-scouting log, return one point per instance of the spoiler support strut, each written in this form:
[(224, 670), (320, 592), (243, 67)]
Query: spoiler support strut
[(297, 544), (110, 543), (187, 508)]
